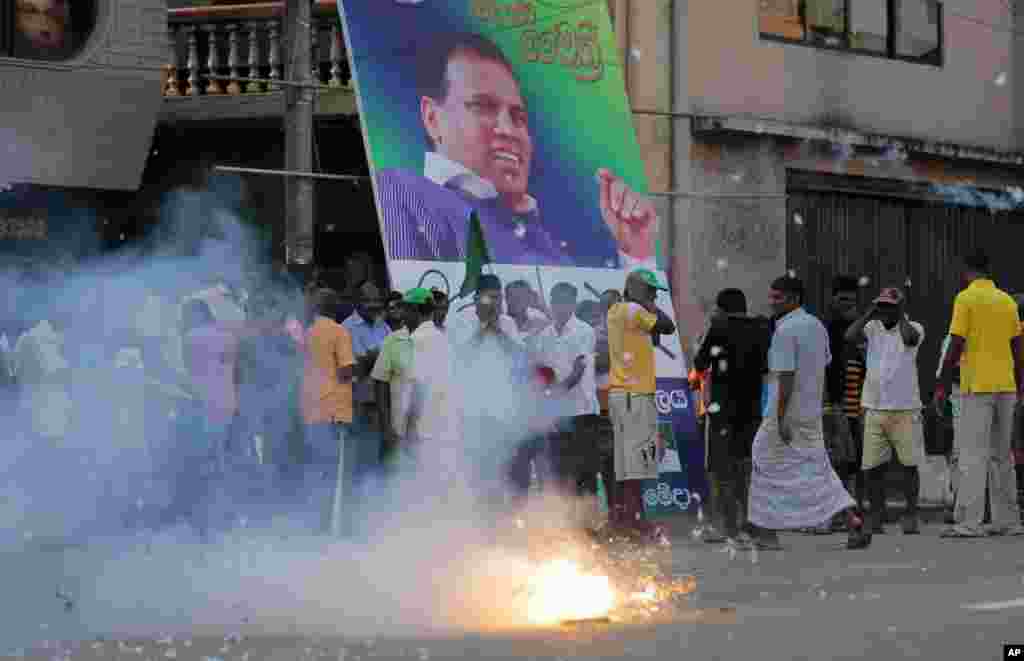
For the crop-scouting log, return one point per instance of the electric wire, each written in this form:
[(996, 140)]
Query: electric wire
[(89, 67)]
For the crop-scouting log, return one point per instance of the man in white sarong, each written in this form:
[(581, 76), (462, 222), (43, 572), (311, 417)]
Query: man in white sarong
[(793, 484)]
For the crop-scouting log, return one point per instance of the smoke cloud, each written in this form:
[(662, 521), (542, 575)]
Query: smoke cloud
[(90, 437), (969, 196)]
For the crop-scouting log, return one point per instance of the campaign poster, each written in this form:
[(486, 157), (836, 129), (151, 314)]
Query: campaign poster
[(681, 485), (515, 110)]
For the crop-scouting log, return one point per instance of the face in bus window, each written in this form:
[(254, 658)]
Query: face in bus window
[(44, 24)]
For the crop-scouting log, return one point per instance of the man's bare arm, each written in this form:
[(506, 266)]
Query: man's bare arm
[(855, 333), (383, 391), (664, 325), (911, 337), (1017, 346), (574, 378), (345, 373), (786, 381), (956, 351)]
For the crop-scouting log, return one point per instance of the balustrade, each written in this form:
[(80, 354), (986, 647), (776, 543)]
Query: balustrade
[(222, 53)]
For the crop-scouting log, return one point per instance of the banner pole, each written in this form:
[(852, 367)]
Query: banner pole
[(540, 291), (337, 503)]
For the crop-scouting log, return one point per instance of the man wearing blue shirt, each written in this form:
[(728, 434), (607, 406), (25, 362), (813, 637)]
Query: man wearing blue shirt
[(368, 329), (793, 484)]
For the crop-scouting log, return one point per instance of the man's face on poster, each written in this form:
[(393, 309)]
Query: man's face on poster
[(518, 299), (482, 124), (488, 305)]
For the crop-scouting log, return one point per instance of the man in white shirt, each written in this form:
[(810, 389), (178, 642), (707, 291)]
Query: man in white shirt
[(490, 361), (469, 325), (43, 375), (526, 308), (432, 412), (568, 347), (892, 402)]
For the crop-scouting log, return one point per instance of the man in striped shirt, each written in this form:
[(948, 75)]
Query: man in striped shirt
[(844, 378), (476, 120)]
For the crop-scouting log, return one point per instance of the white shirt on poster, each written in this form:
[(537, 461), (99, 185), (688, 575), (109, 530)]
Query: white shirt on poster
[(559, 351), (446, 172), (891, 381)]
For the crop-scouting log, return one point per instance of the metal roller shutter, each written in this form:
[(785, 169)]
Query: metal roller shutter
[(896, 234)]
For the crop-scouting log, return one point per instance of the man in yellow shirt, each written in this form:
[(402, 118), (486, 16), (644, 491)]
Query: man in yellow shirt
[(985, 331), (632, 325), (327, 410), (1018, 425)]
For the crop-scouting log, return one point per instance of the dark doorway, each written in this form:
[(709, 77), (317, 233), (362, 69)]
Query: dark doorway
[(894, 234)]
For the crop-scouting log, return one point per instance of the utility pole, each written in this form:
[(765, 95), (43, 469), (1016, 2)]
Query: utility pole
[(298, 133), (1016, 8)]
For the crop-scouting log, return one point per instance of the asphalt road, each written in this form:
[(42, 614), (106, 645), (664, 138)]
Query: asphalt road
[(904, 597)]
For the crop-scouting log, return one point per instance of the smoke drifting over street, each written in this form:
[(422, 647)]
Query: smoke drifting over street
[(86, 472)]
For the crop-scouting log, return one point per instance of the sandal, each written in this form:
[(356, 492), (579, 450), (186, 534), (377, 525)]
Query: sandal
[(1008, 531), (767, 545), (957, 532), (858, 538), (712, 536), (742, 542)]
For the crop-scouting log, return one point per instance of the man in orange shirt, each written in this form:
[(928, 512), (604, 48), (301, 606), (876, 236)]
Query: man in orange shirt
[(632, 325), (327, 411)]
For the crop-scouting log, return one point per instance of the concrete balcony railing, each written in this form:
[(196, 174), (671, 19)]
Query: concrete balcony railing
[(223, 59)]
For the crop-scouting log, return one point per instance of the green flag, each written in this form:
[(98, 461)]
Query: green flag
[(476, 255)]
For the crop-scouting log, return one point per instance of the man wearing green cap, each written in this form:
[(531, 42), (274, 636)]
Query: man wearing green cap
[(632, 326), (431, 416)]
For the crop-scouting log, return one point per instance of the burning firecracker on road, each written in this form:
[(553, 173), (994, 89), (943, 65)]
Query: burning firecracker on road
[(595, 579)]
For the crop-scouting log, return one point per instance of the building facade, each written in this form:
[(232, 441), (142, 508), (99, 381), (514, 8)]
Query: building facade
[(876, 138)]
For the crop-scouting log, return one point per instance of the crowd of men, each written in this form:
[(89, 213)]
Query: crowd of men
[(810, 446), (317, 401), (520, 387), (273, 393)]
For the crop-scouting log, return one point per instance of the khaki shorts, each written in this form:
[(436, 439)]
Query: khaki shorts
[(885, 431), (635, 424)]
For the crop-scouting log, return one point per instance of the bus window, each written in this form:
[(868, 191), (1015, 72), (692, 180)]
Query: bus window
[(49, 29)]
